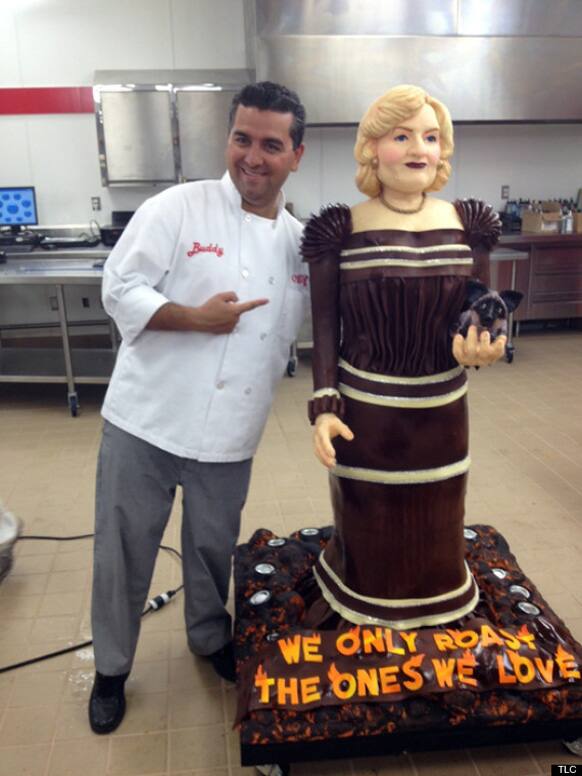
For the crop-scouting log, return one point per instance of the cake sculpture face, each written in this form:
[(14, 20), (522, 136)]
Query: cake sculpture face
[(388, 286)]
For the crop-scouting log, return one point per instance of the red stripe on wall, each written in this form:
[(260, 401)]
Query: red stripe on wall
[(57, 99)]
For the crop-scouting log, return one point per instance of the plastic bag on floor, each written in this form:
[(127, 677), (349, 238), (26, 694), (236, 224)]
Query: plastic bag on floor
[(10, 528)]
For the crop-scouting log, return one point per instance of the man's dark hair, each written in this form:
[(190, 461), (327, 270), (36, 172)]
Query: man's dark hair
[(267, 95)]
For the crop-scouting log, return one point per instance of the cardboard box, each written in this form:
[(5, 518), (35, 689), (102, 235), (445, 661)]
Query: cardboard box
[(544, 223), (578, 222)]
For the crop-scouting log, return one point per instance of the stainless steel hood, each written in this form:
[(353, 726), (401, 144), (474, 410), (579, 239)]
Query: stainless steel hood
[(487, 60)]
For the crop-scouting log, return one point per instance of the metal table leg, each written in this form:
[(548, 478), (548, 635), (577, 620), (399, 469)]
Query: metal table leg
[(62, 310)]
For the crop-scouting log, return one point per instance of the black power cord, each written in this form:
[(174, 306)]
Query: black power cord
[(153, 605)]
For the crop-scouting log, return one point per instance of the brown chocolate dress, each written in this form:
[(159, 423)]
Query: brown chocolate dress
[(384, 305)]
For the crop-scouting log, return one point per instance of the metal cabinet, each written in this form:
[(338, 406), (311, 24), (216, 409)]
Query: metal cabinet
[(137, 138), (163, 127), (202, 128)]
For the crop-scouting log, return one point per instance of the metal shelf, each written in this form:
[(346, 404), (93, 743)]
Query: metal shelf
[(47, 365)]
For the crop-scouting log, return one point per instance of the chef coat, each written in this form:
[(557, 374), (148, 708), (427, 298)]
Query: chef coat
[(198, 395)]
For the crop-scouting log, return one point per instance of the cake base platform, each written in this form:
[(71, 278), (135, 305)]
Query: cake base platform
[(272, 583)]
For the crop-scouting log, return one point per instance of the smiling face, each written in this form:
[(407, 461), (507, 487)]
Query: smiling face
[(409, 153), (260, 156)]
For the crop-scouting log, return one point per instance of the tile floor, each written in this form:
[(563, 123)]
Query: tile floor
[(526, 479)]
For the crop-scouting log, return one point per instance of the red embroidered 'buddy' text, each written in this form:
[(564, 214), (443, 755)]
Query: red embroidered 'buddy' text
[(300, 280), (211, 248)]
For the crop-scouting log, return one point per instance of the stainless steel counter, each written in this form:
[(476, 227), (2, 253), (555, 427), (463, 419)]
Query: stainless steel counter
[(63, 267)]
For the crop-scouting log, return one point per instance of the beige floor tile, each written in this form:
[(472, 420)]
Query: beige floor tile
[(197, 746), (546, 753), (138, 755), (153, 645), (24, 760), (146, 713), (54, 628), (23, 606), (58, 604), (65, 581), (21, 726), (84, 757), (33, 564), (190, 673), (23, 584), (72, 722), (37, 689), (323, 768), (16, 630), (505, 761), (453, 763), (384, 766), (201, 706)]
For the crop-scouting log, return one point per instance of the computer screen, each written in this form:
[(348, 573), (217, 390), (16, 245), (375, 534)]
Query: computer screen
[(18, 206)]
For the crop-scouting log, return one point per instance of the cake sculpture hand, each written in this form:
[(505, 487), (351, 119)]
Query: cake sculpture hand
[(388, 284), (474, 350), (328, 426)]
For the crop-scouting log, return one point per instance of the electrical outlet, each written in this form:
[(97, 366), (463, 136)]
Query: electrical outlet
[(505, 191), (96, 203)]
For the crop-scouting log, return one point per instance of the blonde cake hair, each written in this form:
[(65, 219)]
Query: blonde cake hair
[(387, 112)]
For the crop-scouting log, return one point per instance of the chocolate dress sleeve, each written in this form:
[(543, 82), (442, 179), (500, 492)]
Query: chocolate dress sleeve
[(482, 228), (322, 242)]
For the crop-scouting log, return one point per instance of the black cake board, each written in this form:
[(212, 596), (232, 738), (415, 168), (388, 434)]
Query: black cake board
[(279, 736)]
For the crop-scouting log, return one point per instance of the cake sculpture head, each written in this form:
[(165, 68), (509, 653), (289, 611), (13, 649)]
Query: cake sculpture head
[(387, 119)]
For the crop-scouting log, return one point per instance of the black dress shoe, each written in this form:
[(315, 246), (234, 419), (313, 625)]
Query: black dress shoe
[(223, 662), (107, 703)]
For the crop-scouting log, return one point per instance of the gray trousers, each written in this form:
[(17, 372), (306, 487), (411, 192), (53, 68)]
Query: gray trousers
[(135, 490)]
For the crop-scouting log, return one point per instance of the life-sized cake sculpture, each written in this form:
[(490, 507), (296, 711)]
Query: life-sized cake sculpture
[(392, 623)]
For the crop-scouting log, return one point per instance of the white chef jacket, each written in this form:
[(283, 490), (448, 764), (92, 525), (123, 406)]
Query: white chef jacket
[(198, 395)]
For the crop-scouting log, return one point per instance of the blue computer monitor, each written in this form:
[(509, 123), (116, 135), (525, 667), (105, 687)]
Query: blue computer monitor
[(18, 207)]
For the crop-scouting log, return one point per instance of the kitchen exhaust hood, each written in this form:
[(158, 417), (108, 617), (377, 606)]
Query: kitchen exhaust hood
[(488, 60)]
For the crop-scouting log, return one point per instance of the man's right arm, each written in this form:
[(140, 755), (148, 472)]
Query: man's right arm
[(218, 315)]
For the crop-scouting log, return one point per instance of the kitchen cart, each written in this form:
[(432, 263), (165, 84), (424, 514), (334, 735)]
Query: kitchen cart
[(64, 364)]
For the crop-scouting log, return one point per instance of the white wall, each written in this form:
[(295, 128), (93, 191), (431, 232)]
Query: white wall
[(62, 42), (537, 161)]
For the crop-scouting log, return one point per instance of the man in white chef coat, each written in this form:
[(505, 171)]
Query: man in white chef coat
[(208, 291)]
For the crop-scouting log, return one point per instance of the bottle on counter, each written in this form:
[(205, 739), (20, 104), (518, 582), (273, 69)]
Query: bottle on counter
[(568, 222)]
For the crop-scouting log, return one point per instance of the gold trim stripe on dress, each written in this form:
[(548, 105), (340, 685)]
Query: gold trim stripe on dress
[(398, 602), (438, 377), (364, 619), (405, 249), (412, 477), (406, 402), (417, 264)]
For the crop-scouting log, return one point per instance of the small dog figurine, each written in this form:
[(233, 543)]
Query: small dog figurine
[(487, 310)]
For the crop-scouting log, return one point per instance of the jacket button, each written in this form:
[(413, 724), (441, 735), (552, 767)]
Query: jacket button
[(220, 385), (272, 280), (248, 391), (244, 272), (263, 335)]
